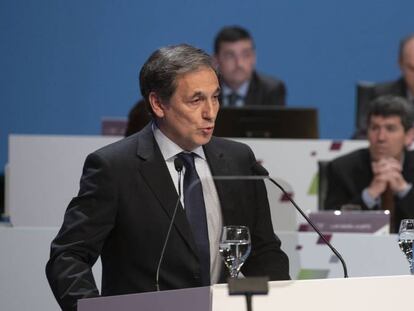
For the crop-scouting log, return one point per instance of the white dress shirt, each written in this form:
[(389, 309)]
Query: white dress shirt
[(241, 91), (169, 151)]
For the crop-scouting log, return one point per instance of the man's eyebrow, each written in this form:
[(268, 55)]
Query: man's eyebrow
[(197, 94), (202, 94)]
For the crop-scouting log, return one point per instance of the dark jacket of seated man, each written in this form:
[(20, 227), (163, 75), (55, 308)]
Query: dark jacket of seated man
[(350, 174)]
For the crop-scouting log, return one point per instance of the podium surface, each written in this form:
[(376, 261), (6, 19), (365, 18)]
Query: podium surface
[(181, 299), (371, 293)]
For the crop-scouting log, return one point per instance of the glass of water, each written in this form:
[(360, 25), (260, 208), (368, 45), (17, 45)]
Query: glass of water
[(406, 239), (235, 247)]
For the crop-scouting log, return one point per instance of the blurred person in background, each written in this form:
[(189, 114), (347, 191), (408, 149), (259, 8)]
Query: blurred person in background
[(242, 85)]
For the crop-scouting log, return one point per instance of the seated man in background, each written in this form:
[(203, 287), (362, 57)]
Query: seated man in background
[(235, 55), (382, 173), (403, 87)]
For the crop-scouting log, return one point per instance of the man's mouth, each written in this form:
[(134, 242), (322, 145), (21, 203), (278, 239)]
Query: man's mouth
[(207, 129)]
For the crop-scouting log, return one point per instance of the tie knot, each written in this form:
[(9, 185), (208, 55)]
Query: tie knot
[(232, 98), (188, 159)]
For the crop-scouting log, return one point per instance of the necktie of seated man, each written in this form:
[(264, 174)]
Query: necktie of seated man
[(387, 203), (232, 99), (196, 214)]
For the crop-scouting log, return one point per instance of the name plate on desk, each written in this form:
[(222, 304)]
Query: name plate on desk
[(376, 222)]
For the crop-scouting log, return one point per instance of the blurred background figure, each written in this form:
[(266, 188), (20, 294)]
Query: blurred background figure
[(138, 117), (381, 176), (235, 55), (403, 86)]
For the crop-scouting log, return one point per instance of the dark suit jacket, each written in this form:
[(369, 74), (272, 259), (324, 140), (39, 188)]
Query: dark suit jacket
[(123, 211), (265, 90), (348, 175)]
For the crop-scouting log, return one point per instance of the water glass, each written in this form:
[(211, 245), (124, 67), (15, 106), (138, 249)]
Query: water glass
[(235, 247), (405, 240)]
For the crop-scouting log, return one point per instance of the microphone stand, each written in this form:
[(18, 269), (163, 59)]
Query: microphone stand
[(261, 171), (178, 164), (313, 226), (260, 174)]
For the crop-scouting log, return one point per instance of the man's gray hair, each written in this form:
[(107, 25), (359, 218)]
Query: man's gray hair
[(159, 73)]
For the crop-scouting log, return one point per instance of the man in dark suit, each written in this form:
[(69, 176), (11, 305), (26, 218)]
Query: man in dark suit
[(128, 194), (235, 55), (366, 177), (403, 86)]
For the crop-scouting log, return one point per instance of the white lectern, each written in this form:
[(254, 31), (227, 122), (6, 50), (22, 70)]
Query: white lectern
[(373, 293)]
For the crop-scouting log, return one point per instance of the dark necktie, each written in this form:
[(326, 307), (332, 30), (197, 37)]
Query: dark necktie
[(196, 214), (387, 203), (232, 99)]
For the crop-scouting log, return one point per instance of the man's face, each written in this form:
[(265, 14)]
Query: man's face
[(188, 118), (236, 61), (407, 65), (387, 137)]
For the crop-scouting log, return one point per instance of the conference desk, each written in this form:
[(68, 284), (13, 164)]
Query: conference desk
[(43, 175), (44, 171), (24, 252), (373, 293)]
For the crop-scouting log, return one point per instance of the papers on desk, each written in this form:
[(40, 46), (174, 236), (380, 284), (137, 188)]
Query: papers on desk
[(375, 222)]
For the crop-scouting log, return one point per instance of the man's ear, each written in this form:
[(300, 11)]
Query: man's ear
[(409, 137), (156, 104)]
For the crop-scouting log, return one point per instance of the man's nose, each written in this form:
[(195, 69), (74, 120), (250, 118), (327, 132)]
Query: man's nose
[(382, 134), (238, 60), (209, 110)]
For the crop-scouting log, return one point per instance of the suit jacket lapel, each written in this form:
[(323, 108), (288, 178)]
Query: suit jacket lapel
[(253, 97), (408, 166), (155, 173), (363, 172), (219, 165)]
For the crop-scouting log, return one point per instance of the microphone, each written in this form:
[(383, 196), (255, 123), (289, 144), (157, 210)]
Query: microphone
[(259, 170), (178, 164)]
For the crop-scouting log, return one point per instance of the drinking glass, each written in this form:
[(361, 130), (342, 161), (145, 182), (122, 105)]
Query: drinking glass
[(406, 239), (235, 247)]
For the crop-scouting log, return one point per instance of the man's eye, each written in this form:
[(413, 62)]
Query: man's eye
[(195, 100), (228, 56)]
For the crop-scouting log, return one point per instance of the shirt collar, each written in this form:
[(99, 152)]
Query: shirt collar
[(241, 91), (170, 149)]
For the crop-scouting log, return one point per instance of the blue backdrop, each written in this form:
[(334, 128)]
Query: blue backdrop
[(65, 64)]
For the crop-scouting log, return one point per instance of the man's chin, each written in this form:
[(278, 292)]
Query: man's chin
[(376, 156), (204, 139)]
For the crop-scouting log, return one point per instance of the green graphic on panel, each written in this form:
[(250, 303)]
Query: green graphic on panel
[(309, 274), (313, 189)]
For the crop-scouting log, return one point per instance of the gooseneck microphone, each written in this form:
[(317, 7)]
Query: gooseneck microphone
[(178, 164), (261, 171)]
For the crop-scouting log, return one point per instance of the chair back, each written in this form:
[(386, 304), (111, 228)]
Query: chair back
[(322, 183)]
